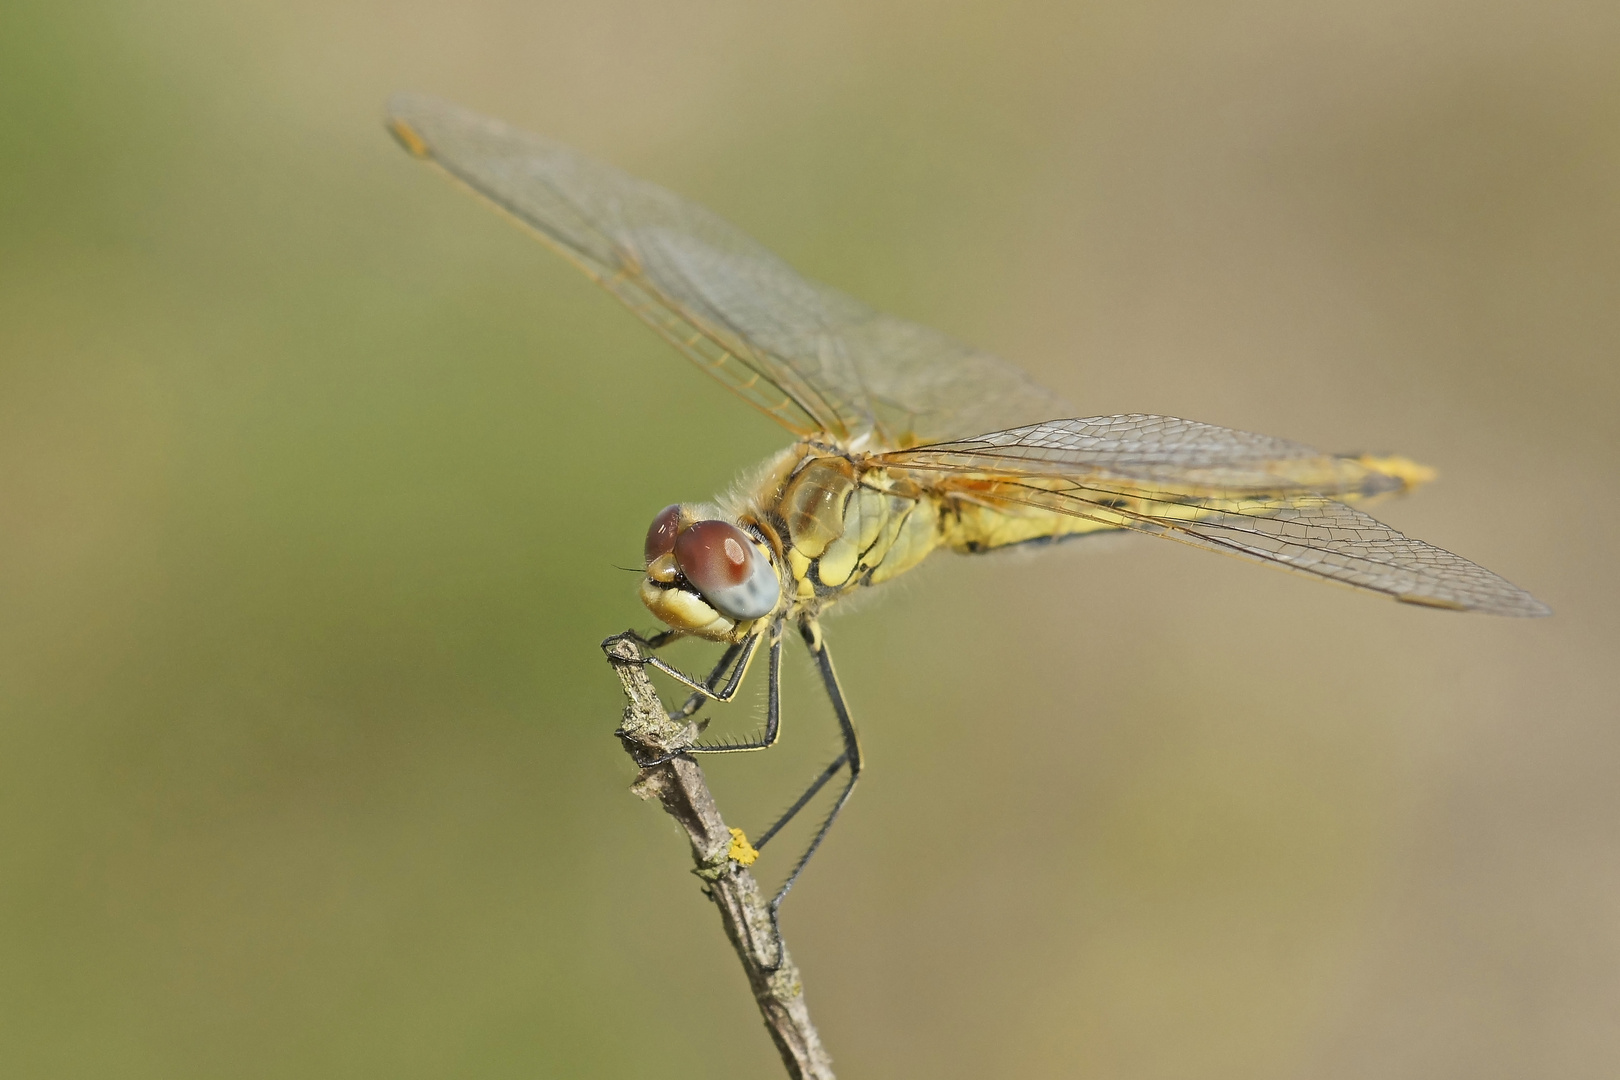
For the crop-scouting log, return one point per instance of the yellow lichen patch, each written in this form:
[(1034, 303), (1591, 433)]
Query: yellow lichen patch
[(741, 851)]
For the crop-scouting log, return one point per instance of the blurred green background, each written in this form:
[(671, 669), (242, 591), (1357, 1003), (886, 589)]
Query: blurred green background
[(314, 475)]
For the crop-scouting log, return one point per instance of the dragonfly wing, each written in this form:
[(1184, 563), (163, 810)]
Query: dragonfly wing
[(921, 385), (1214, 488), (645, 245), (818, 361), (1164, 450)]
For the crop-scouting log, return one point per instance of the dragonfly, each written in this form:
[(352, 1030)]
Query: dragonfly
[(906, 443)]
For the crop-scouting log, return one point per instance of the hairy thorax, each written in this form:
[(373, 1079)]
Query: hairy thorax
[(839, 523)]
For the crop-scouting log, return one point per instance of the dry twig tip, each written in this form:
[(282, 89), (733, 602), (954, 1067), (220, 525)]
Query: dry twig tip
[(722, 855)]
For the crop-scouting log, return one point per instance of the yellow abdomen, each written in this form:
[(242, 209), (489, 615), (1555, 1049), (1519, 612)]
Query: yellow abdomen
[(849, 525)]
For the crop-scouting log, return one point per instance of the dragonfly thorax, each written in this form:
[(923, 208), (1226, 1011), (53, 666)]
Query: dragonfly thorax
[(848, 525)]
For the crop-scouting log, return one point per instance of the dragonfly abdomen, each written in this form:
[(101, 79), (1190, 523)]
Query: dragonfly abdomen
[(971, 527)]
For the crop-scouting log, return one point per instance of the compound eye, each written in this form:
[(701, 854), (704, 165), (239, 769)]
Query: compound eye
[(661, 537), (722, 563)]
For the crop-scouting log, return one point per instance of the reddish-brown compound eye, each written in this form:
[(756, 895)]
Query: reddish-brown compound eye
[(661, 537), (722, 563)]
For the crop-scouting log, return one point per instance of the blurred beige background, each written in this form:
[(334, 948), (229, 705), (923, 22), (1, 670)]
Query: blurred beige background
[(314, 475)]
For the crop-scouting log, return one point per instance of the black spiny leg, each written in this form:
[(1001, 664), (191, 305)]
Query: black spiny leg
[(695, 702), (741, 652), (851, 757), (773, 710)]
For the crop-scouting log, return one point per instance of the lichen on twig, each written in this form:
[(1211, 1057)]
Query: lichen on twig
[(722, 855)]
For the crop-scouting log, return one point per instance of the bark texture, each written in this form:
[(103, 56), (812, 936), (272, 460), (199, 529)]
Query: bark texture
[(648, 733)]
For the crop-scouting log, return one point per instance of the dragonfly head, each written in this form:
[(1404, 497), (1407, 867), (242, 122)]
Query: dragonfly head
[(707, 577)]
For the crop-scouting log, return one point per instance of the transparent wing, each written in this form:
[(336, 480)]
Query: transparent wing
[(1248, 495), (1148, 448), (818, 361)]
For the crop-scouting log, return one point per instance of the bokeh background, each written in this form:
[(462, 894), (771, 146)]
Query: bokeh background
[(314, 476)]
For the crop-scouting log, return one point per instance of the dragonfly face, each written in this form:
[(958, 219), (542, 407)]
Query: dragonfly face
[(907, 441), (709, 578)]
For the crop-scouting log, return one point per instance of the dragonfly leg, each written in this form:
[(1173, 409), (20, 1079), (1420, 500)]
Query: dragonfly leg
[(705, 688), (773, 712), (695, 702), (851, 757), (657, 641)]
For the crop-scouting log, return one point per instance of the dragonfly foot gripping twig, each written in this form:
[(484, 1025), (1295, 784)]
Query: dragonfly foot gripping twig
[(720, 853)]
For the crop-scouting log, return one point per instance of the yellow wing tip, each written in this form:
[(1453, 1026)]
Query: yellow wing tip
[(414, 144), (1408, 473), (741, 851), (1431, 601), (1523, 605)]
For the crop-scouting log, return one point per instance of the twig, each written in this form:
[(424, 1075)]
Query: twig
[(649, 733)]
